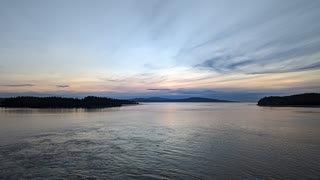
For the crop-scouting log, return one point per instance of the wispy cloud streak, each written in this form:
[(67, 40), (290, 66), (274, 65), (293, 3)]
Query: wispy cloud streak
[(63, 86), (158, 89), (19, 85)]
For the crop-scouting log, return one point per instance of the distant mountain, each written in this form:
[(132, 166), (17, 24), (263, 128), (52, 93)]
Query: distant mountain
[(191, 99), (308, 99)]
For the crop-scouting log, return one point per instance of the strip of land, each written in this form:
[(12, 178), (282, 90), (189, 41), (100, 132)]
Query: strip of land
[(298, 100), (191, 99), (60, 102)]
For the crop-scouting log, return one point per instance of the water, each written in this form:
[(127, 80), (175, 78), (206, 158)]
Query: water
[(161, 141)]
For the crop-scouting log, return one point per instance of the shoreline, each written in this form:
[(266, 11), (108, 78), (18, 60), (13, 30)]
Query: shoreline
[(301, 106)]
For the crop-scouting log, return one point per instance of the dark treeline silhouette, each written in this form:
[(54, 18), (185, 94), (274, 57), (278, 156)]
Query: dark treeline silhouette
[(308, 99), (59, 102)]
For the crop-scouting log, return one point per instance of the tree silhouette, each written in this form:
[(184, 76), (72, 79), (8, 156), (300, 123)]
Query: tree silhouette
[(59, 102), (308, 99)]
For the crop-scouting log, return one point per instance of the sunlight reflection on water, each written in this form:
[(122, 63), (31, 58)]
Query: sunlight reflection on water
[(161, 141)]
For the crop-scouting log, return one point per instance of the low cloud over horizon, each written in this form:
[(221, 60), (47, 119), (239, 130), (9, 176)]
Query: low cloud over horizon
[(62, 86), (207, 48), (159, 89), (18, 85)]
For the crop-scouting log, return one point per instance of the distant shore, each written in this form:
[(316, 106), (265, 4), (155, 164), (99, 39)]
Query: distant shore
[(60, 102), (189, 100), (300, 106), (298, 100)]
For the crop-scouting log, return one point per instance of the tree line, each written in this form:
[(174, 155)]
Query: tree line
[(307, 99), (61, 102)]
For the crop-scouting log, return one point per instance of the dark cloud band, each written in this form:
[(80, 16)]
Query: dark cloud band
[(19, 85), (62, 86), (158, 89)]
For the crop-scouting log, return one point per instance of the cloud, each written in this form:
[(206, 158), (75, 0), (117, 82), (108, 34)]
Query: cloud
[(141, 78), (113, 80), (19, 85), (261, 44), (314, 66), (287, 58), (63, 86), (158, 89)]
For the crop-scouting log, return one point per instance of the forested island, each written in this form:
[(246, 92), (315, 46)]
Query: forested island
[(61, 102), (306, 100)]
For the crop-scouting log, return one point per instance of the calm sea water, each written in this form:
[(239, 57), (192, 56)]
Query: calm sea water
[(161, 141)]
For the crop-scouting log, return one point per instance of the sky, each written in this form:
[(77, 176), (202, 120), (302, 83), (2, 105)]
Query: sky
[(234, 50)]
